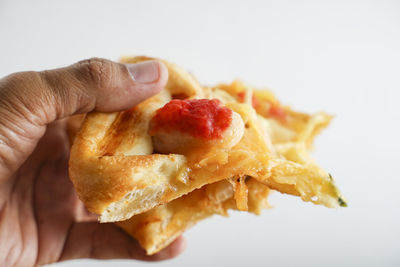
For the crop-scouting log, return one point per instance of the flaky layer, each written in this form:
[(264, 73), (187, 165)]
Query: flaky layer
[(118, 174), (158, 227)]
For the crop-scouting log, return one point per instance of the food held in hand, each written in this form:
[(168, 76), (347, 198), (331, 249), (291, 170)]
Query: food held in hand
[(193, 151)]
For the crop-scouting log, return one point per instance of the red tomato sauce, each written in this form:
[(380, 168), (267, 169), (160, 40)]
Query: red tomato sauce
[(201, 118), (254, 100), (273, 111), (278, 112)]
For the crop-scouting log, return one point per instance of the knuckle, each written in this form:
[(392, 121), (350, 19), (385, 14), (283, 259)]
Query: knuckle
[(19, 95), (99, 71)]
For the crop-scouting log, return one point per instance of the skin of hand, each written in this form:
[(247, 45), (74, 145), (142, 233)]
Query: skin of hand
[(41, 219)]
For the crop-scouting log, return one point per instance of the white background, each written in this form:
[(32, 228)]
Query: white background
[(339, 56)]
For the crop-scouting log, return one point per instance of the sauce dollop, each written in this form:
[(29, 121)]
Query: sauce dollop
[(201, 118)]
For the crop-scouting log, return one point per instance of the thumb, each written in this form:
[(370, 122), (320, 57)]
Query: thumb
[(99, 84), (31, 100)]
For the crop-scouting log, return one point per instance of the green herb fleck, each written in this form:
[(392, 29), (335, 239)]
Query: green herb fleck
[(342, 203)]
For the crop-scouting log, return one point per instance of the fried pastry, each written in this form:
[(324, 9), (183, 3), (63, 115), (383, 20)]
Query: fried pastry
[(118, 172), (193, 151)]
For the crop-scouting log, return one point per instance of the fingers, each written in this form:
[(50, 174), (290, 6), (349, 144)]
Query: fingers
[(107, 241), (31, 100), (98, 84), (94, 84)]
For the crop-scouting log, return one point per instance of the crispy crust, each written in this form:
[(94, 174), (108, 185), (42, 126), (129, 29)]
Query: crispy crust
[(117, 174), (158, 227)]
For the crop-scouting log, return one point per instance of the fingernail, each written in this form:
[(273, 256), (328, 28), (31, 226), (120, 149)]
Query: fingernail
[(144, 72)]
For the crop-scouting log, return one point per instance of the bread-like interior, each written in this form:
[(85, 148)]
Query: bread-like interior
[(119, 175), (158, 227)]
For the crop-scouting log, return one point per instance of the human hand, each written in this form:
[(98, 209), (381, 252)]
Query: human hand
[(41, 219)]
